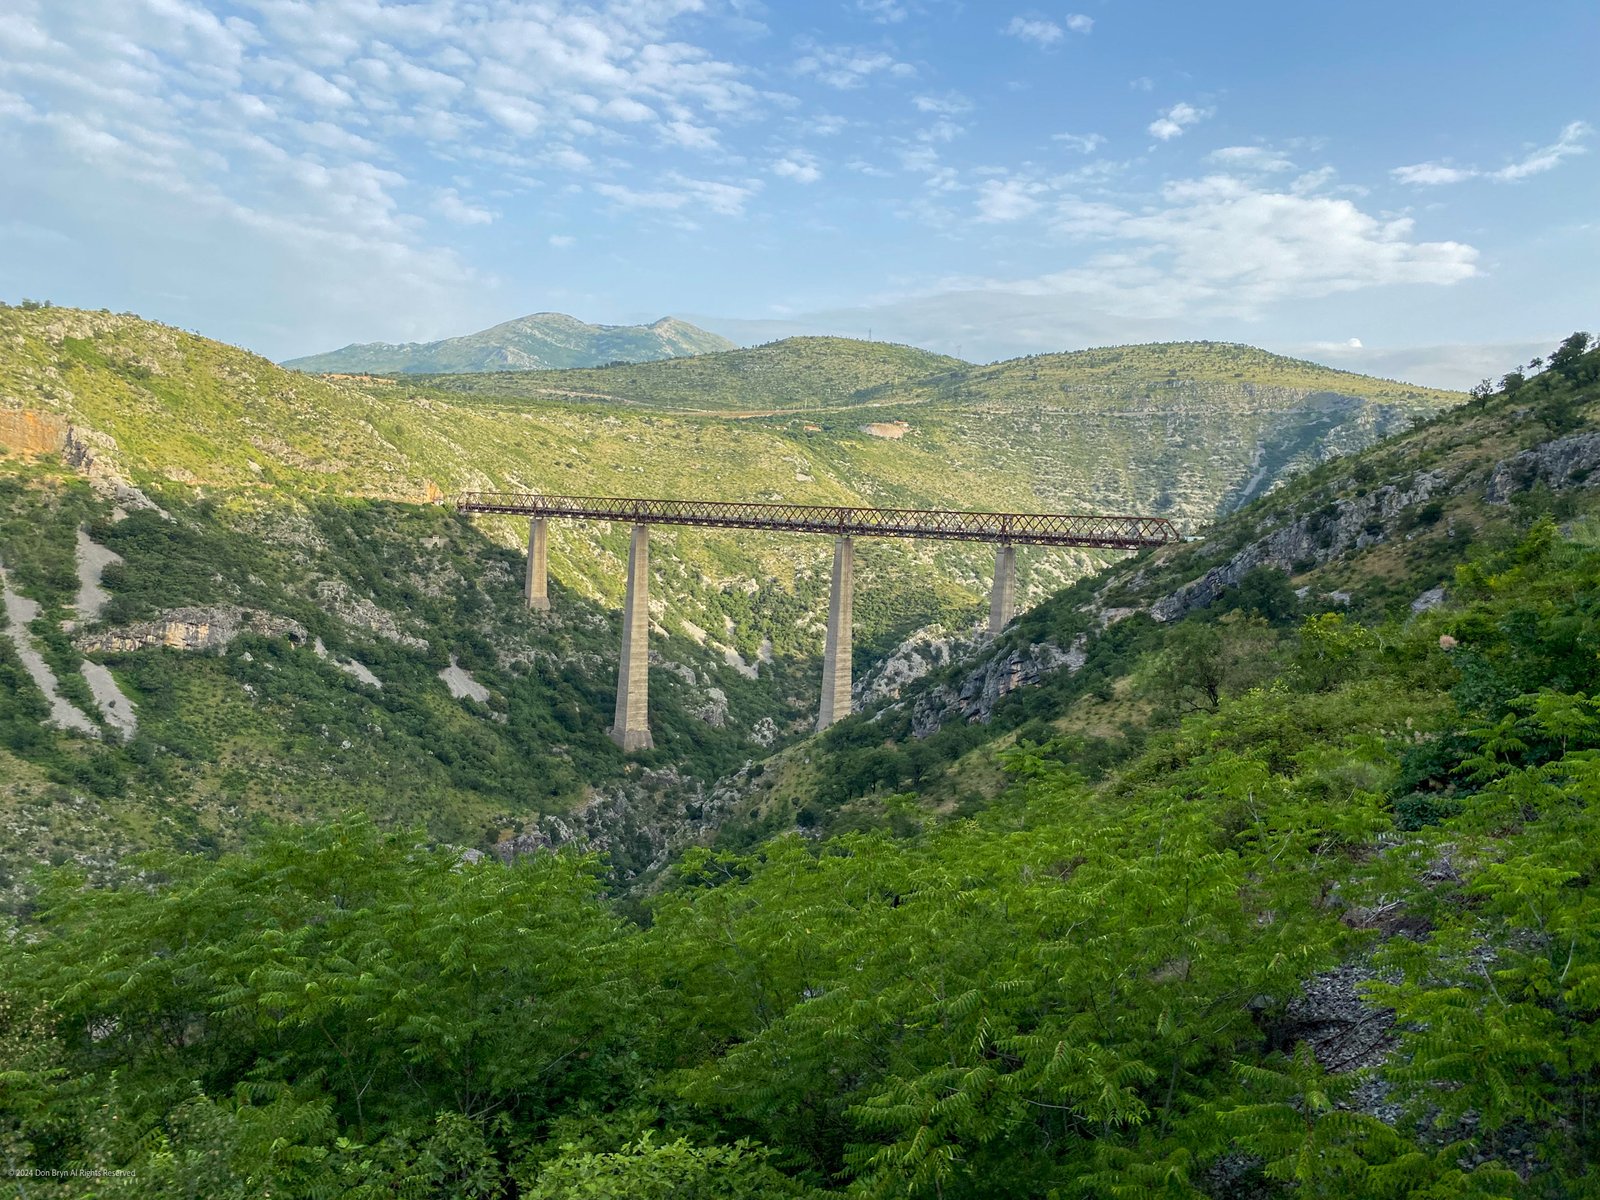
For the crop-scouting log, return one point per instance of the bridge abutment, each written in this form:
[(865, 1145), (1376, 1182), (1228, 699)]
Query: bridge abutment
[(631, 727), (1003, 598), (537, 587), (836, 654)]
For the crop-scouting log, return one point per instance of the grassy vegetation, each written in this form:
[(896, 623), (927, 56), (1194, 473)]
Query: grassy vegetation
[(796, 373), (552, 340)]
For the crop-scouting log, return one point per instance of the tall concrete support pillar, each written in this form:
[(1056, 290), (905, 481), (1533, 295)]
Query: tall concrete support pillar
[(836, 654), (1003, 599), (537, 588), (631, 728)]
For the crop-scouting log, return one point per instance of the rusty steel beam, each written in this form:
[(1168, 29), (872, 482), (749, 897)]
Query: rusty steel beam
[(1027, 529)]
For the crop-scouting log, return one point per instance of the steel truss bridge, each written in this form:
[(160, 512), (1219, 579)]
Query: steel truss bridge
[(631, 728), (1030, 529)]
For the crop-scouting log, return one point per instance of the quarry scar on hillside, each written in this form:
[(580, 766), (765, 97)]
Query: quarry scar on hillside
[(631, 726)]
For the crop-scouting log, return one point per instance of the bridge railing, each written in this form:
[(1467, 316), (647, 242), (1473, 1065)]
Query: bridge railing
[(1038, 529)]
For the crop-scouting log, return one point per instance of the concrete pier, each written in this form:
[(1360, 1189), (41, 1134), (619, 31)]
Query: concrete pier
[(631, 727), (1003, 599), (836, 655), (537, 587)]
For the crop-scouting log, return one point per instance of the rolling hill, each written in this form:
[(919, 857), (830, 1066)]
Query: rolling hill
[(542, 340), (289, 511)]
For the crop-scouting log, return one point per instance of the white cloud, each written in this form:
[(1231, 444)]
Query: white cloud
[(1176, 119), (1428, 174), (1546, 158), (1225, 246), (951, 104), (453, 208), (689, 135), (626, 108), (884, 12), (324, 135), (1007, 200), (1036, 30), (1250, 158), (682, 193), (848, 67), (1044, 32), (798, 166), (1142, 84), (562, 240), (1083, 143)]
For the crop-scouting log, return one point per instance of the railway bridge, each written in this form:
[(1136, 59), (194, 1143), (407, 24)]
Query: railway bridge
[(1006, 531)]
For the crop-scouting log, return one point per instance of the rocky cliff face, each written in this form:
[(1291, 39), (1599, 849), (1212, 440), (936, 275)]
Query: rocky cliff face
[(1563, 463), (977, 694), (203, 629), (1310, 541), (32, 433)]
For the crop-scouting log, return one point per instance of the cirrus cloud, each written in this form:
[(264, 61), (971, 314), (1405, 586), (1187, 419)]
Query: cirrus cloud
[(1569, 144)]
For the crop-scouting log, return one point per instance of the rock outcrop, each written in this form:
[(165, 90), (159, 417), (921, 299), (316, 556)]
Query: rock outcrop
[(975, 697), (204, 629), (1312, 540), (924, 651), (32, 434), (1562, 463)]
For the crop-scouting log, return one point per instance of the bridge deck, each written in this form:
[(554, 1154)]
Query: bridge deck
[(1036, 529)]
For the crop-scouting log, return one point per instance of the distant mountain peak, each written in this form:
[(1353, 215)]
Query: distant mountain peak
[(538, 341)]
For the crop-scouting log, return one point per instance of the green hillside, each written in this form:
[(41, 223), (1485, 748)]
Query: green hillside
[(1276, 894), (1191, 429), (799, 373), (1143, 371), (543, 340), (151, 403), (229, 486), (1366, 535)]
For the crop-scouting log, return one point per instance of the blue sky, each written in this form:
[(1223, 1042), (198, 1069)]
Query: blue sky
[(1404, 188)]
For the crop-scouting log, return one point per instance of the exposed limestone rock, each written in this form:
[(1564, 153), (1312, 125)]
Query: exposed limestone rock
[(26, 433), (93, 559), (979, 692), (32, 434), (640, 823), (348, 665), (116, 710), (1562, 463), (209, 629), (1315, 538), (461, 683), (20, 612), (922, 652), (682, 670), (360, 613), (714, 712), (1429, 600), (736, 660), (1345, 1032)]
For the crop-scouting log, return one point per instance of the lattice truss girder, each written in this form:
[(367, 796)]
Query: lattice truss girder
[(1036, 529)]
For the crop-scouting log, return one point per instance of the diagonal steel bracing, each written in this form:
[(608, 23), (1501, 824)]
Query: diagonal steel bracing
[(1028, 529)]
